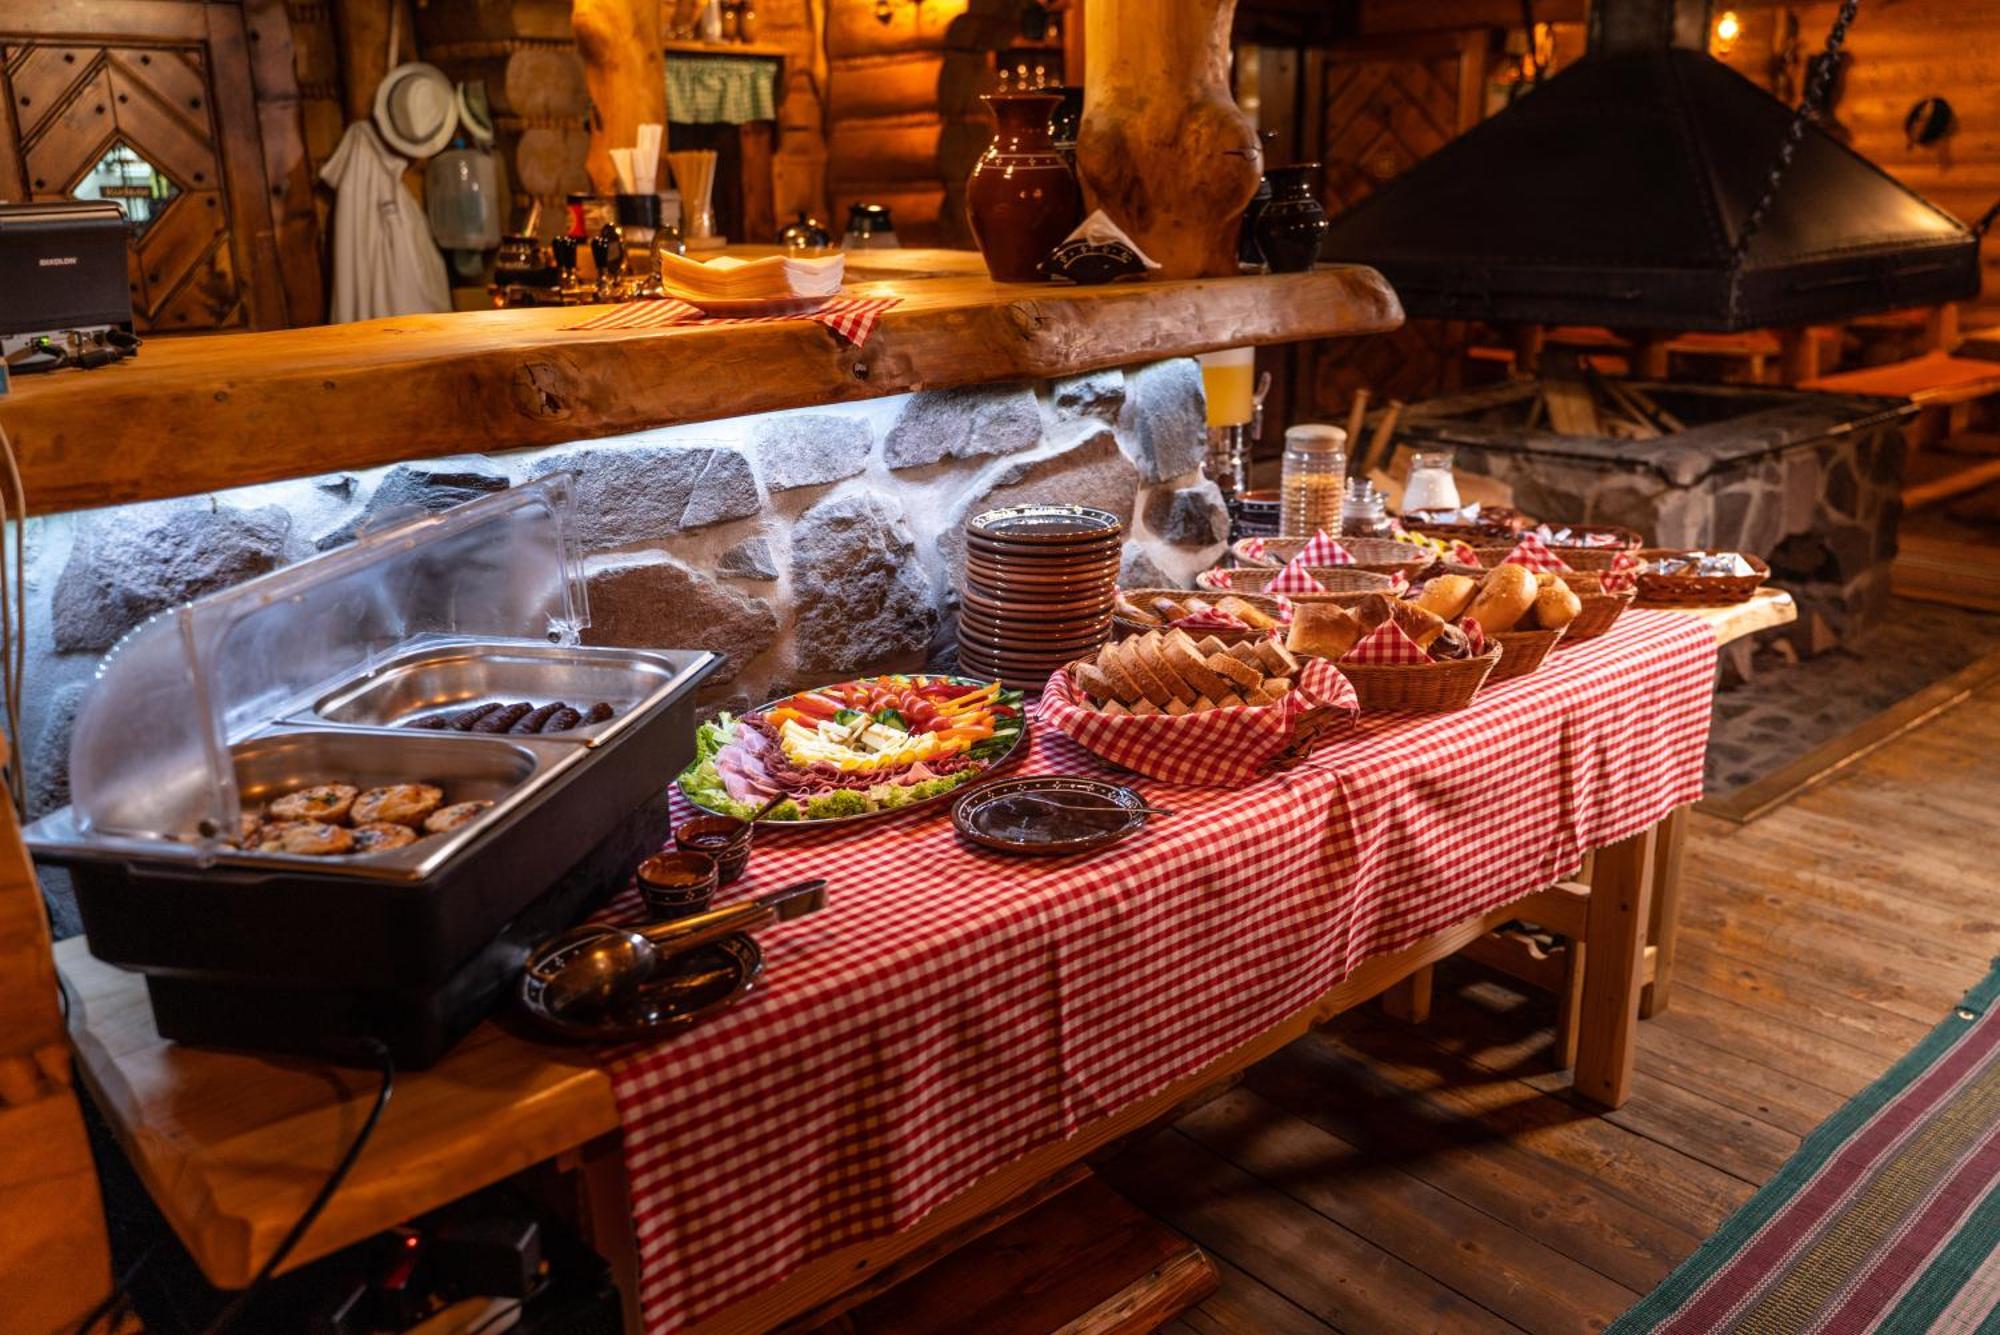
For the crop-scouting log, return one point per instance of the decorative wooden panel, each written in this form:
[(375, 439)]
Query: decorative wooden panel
[(1379, 115), (165, 86)]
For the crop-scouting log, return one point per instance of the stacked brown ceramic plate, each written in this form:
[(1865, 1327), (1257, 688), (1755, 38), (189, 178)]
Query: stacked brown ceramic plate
[(1038, 587)]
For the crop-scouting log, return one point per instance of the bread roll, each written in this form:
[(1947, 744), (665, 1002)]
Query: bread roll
[(1448, 596), (1556, 605), (1245, 678), (1419, 625), (1504, 598), (1132, 612), (1323, 630), (1248, 613)]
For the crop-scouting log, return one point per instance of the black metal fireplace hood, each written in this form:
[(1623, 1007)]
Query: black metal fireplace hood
[(1614, 195)]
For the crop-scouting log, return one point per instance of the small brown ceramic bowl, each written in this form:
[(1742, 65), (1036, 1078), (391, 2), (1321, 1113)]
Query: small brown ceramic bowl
[(723, 838), (676, 885)]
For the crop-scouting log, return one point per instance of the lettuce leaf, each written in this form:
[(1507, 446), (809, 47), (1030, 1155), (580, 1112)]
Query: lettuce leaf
[(842, 802)]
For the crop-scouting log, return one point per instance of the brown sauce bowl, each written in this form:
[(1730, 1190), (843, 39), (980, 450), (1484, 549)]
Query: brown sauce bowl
[(723, 838), (677, 885)]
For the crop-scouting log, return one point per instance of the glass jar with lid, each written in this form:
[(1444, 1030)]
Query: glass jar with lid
[(1364, 511), (1429, 486), (1315, 471)]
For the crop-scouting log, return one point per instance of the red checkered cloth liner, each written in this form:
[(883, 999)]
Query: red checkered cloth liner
[(1295, 578), (1202, 622), (1386, 646), (953, 1009), (851, 318), (1215, 747), (1623, 575), (1463, 554), (1535, 554), (1213, 580), (1321, 549)]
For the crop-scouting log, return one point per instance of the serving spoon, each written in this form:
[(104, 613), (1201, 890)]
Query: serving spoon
[(599, 966)]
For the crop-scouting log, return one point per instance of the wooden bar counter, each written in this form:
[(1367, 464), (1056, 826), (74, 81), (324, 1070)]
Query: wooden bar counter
[(196, 414)]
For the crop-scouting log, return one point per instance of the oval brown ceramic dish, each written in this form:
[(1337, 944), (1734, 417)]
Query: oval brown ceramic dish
[(1044, 523), (995, 816), (695, 986)]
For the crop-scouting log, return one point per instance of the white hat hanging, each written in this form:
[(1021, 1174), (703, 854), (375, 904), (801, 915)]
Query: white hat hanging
[(416, 109)]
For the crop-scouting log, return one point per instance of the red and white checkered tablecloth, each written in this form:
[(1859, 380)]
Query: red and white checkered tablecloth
[(952, 1009)]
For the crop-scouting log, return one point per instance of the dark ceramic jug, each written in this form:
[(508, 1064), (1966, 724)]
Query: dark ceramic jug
[(1023, 198), (1289, 226)]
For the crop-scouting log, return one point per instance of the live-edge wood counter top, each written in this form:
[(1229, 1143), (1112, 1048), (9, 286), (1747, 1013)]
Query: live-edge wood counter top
[(196, 414)]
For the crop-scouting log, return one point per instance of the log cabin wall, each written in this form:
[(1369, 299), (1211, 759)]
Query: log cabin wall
[(904, 120), (1899, 54)]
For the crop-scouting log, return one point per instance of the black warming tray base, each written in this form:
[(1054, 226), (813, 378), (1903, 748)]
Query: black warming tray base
[(412, 947)]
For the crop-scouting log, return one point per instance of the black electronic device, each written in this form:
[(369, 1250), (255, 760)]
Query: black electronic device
[(63, 270)]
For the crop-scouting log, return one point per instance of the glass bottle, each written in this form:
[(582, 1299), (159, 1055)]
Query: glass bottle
[(1315, 472)]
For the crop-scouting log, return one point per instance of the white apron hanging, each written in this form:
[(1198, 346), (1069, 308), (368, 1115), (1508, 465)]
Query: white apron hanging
[(384, 261)]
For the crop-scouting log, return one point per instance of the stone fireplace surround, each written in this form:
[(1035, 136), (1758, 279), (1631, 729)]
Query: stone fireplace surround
[(801, 545), (1810, 482)]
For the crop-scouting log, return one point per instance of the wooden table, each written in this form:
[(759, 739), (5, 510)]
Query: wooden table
[(233, 1146)]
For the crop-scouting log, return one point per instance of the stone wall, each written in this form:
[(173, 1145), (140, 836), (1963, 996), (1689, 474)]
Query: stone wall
[(800, 545)]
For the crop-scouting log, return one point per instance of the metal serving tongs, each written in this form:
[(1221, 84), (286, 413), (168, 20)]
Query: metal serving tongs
[(599, 966)]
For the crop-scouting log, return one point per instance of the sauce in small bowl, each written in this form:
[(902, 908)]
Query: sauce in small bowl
[(723, 838), (676, 885)]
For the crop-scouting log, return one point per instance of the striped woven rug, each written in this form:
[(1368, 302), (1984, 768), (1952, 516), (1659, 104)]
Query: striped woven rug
[(1887, 1218)]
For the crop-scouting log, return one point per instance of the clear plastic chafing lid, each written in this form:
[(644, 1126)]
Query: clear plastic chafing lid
[(150, 757)]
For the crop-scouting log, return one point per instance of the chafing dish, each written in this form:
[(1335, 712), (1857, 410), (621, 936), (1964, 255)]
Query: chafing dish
[(305, 676)]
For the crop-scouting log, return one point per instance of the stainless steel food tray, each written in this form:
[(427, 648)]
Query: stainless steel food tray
[(439, 676), (506, 771)]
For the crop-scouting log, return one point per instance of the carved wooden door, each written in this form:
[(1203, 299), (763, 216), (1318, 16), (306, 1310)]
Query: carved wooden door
[(1383, 111), (154, 111)]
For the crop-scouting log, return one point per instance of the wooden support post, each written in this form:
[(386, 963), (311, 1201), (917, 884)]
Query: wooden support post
[(1941, 328), (1569, 1001), (1649, 356), (1410, 999), (1798, 354), (367, 53), (1164, 149), (1666, 910), (1621, 892), (1529, 340), (605, 1208), (625, 69)]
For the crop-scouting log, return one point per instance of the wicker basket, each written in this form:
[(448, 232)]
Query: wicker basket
[(1337, 579), (1383, 556), (1697, 590), (1575, 556), (1121, 628), (1601, 610), (1450, 684), (1522, 651)]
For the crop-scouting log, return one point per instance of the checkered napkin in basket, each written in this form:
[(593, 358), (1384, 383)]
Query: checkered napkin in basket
[(1535, 554), (1462, 553), (1296, 577), (1623, 575), (1386, 646), (1217, 747), (1321, 549), (852, 319)]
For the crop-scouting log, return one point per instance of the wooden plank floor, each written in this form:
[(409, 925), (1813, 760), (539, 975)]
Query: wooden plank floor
[(1381, 1177)]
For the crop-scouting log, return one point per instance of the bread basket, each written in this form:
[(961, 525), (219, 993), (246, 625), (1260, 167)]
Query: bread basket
[(1575, 555), (1337, 579), (1121, 627), (1697, 590), (1383, 556), (1601, 610), (1522, 651), (1449, 684)]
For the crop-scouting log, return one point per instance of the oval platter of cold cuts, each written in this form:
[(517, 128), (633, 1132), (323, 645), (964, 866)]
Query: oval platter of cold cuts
[(856, 750)]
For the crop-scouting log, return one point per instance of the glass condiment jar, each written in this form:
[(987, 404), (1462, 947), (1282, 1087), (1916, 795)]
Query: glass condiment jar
[(1315, 472), (1364, 511), (1430, 485)]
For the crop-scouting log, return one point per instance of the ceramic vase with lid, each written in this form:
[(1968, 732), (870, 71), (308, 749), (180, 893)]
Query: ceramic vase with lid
[(1023, 198), (1289, 226)]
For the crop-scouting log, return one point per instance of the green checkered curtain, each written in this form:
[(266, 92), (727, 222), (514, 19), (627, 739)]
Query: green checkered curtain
[(720, 90)]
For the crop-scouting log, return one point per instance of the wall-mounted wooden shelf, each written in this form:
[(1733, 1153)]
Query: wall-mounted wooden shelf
[(197, 414)]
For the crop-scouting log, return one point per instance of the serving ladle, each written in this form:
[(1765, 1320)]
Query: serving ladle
[(599, 966)]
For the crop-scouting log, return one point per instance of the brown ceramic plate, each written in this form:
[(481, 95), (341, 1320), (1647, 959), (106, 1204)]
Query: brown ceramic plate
[(695, 985), (1023, 605), (1044, 523), (1044, 551), (1004, 816), (1032, 649), (1011, 565), (1031, 631)]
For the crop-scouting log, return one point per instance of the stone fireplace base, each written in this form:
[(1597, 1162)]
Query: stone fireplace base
[(1810, 482)]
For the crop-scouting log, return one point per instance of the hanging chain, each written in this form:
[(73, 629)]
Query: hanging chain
[(1809, 109)]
